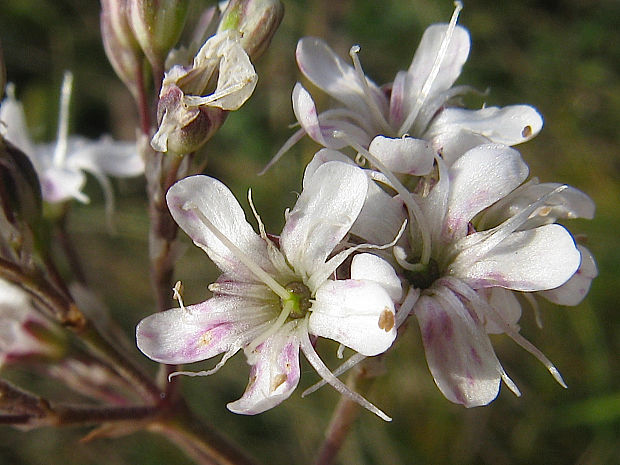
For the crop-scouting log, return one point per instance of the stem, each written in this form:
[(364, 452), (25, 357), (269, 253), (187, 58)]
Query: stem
[(67, 246), (198, 440), (144, 110), (347, 411), (68, 315)]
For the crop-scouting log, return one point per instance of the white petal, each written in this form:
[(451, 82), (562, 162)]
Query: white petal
[(373, 268), (13, 123), (323, 214), (306, 114), (60, 185), (424, 58), (403, 155), (357, 313), (322, 157), (110, 157), (478, 179), (458, 352), (509, 125), (534, 260), (236, 81), (569, 203), (201, 331), (214, 201), (318, 62), (381, 217), (274, 374), (573, 291)]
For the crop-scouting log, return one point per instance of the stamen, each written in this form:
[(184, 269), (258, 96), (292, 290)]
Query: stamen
[(471, 295), (401, 315), (177, 292), (327, 375), (213, 370), (273, 328), (243, 258), (428, 84), (535, 308), (370, 100), (413, 208), (60, 151), (333, 263), (499, 233), (401, 258)]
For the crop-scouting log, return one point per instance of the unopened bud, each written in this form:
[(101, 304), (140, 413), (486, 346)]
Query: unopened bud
[(157, 25), (26, 335), (120, 44), (256, 21), (20, 191)]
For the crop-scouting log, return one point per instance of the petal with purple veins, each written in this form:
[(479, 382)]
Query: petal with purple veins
[(458, 351), (327, 207), (274, 374), (201, 331)]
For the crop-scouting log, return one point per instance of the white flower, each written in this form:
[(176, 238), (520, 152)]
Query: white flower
[(270, 299), (466, 272), (415, 104), (61, 166)]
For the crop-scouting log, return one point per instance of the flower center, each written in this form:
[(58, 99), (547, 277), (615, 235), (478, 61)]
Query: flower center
[(298, 301), (423, 277)]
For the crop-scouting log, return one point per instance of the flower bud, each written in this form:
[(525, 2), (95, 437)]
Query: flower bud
[(20, 192), (157, 25), (184, 129), (26, 335), (256, 20), (120, 44)]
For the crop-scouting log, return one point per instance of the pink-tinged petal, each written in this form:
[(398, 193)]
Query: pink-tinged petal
[(507, 306), (61, 184), (357, 313), (307, 116), (533, 260), (425, 55), (458, 351), (274, 374), (404, 155), (509, 125), (327, 207), (197, 197), (201, 331), (373, 268), (397, 99), (381, 217), (478, 179), (573, 291), (318, 62)]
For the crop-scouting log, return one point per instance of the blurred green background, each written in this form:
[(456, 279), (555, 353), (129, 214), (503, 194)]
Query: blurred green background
[(563, 57)]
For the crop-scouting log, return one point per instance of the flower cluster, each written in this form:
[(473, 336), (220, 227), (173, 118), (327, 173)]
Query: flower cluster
[(433, 218)]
